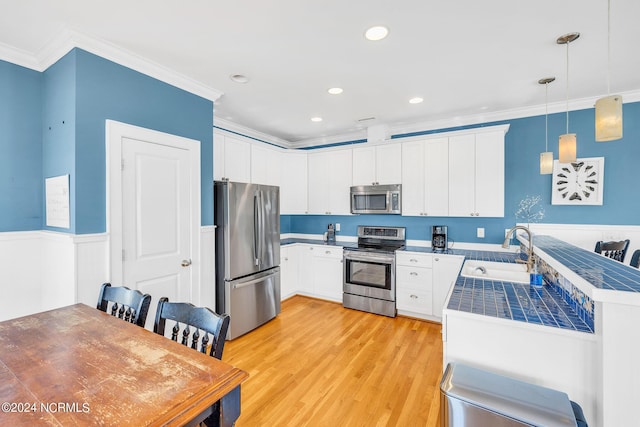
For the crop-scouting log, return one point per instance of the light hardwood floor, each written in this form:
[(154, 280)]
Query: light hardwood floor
[(319, 364)]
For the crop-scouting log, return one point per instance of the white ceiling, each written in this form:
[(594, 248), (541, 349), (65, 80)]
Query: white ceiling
[(466, 58)]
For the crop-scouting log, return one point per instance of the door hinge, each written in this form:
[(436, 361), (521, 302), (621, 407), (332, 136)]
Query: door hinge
[(123, 254), (121, 164)]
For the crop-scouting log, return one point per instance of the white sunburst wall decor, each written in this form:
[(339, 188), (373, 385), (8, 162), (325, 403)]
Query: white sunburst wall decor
[(578, 183)]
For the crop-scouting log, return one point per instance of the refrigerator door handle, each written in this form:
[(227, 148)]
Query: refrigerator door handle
[(256, 226), (249, 283)]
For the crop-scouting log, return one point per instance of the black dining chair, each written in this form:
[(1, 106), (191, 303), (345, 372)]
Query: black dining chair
[(613, 250), (205, 331), (127, 304), (635, 259)]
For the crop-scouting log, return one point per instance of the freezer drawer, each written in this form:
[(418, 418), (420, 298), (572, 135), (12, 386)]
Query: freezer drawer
[(252, 301), (474, 397)]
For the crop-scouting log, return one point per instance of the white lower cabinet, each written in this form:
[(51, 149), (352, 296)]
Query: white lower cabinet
[(320, 271), (327, 272), (445, 272), (414, 283), (423, 281), (288, 271)]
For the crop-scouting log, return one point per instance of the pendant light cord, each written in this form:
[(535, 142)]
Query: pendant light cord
[(609, 47), (546, 117), (567, 86)]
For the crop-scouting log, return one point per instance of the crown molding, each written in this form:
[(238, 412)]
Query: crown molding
[(66, 40), (18, 57), (234, 128), (328, 140)]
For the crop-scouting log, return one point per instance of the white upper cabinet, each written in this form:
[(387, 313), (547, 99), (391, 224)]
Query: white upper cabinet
[(265, 164), (380, 164), (329, 182), (425, 183), (293, 182), (231, 158), (476, 174)]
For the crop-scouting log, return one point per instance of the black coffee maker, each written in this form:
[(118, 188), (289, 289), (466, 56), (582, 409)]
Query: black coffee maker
[(439, 238)]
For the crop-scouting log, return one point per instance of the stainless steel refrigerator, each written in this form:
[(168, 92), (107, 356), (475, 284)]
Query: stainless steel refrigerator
[(247, 219)]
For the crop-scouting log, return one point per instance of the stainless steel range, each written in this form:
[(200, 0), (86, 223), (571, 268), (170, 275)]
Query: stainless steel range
[(369, 279)]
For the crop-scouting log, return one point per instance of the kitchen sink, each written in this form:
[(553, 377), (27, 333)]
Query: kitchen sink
[(489, 270)]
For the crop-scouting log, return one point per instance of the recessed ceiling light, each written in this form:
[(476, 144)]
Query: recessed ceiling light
[(239, 78), (335, 90), (316, 119), (376, 33), (416, 100)]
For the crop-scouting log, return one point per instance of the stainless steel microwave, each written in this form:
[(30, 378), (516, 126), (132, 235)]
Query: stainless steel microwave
[(376, 199)]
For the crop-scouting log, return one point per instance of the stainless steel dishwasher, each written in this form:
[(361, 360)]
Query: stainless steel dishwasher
[(474, 397)]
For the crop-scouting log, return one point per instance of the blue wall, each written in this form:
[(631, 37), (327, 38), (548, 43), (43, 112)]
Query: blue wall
[(53, 123), (20, 148), (524, 142), (106, 90)]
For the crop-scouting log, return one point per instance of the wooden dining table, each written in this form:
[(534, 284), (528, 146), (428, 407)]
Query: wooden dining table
[(79, 366)]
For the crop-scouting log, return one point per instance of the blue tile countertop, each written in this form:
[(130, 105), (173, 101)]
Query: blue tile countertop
[(513, 301), (599, 271)]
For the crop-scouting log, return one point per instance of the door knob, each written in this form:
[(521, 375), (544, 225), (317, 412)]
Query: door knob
[(185, 262)]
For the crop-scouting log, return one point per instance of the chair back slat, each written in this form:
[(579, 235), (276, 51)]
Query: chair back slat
[(127, 304), (202, 329), (613, 250)]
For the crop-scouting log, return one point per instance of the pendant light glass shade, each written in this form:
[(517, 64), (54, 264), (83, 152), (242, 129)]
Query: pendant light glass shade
[(609, 118), (567, 148), (546, 163), (567, 143), (609, 108)]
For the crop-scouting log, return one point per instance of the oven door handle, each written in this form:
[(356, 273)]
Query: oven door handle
[(368, 257)]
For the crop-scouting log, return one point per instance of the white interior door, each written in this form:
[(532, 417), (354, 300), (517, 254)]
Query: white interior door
[(157, 227)]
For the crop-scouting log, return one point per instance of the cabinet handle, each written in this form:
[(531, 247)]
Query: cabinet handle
[(413, 260), (311, 248), (286, 259), (414, 296), (437, 259), (413, 273), (327, 252)]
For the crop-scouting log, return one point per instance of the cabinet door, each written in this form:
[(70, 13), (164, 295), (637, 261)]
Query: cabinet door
[(462, 175), (288, 271), (389, 164), (237, 159), (293, 183), (364, 166), (414, 289), (436, 177), (305, 269), (413, 181), (489, 168), (218, 156), (339, 169), (265, 165), (327, 273), (445, 272), (318, 184)]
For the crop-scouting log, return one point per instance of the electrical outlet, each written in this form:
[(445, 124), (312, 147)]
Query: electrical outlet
[(480, 232), (337, 226)]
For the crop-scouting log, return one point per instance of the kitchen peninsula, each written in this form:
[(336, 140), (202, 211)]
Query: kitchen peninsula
[(588, 355)]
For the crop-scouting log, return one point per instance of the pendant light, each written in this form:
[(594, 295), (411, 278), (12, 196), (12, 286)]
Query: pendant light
[(546, 158), (567, 142), (609, 108)]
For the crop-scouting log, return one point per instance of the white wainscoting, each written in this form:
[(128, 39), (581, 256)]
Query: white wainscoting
[(43, 270), (20, 275), (585, 236)]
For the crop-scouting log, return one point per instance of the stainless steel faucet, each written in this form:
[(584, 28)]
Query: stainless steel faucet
[(505, 245)]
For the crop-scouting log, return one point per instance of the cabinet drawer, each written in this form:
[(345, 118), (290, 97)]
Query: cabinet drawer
[(414, 259), (415, 301), (326, 251), (414, 278)]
